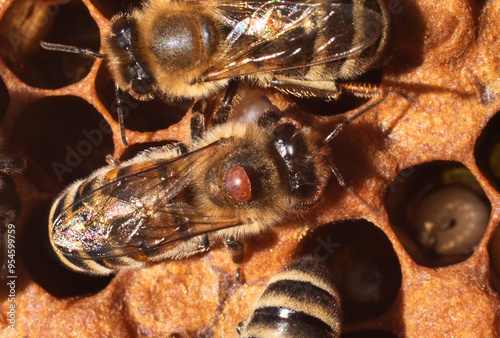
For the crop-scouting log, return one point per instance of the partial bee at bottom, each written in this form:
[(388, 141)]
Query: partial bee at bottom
[(234, 180), (300, 301)]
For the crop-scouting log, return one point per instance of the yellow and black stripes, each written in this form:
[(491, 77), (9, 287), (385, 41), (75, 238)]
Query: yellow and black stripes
[(126, 215), (362, 25), (91, 191), (69, 203), (300, 301), (366, 25)]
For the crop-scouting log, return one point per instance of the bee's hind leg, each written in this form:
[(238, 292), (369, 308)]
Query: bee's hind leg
[(326, 90), (330, 90)]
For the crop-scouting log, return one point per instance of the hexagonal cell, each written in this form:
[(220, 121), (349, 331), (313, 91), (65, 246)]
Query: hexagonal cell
[(44, 265), (142, 116), (439, 212), (67, 140), (487, 152), (4, 99), (110, 8), (364, 265), (27, 22)]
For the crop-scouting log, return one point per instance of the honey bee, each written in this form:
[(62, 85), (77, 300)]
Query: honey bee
[(233, 180), (300, 301), (195, 49)]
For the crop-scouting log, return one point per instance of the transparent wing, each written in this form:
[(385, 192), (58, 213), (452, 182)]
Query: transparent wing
[(269, 36), (139, 212)]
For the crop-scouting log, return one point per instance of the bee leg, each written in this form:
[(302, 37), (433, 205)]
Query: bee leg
[(222, 114), (239, 278), (330, 90), (368, 90), (268, 118), (111, 161), (205, 244), (326, 90), (197, 126), (236, 248), (341, 182), (240, 327), (181, 147), (119, 111), (238, 252), (364, 109), (198, 120)]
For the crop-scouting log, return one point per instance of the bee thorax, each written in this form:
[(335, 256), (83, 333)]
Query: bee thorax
[(181, 41)]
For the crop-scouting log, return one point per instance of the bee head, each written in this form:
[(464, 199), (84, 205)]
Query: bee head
[(124, 57), (299, 159)]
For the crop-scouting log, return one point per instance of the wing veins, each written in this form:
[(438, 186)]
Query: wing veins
[(237, 61)]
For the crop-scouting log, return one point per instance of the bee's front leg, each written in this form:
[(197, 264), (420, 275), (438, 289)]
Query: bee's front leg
[(236, 248), (119, 94), (237, 251)]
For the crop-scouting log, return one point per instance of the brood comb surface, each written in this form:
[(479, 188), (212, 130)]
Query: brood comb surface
[(57, 112)]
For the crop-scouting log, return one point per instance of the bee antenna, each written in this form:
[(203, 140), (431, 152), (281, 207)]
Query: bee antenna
[(71, 49), (342, 183)]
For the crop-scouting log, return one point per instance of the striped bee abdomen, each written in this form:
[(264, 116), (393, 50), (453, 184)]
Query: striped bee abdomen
[(364, 25), (300, 301)]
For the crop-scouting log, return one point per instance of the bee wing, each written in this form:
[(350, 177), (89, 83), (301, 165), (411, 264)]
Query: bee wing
[(138, 212), (281, 35)]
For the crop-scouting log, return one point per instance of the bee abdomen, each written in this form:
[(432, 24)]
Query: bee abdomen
[(360, 63), (300, 301), (85, 263), (269, 321)]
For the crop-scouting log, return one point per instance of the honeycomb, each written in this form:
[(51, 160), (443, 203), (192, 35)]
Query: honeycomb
[(408, 160)]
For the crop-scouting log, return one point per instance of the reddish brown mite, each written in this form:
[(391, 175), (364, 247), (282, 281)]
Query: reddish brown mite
[(238, 184)]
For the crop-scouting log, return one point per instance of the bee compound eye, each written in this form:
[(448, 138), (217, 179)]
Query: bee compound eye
[(237, 184), (120, 26)]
